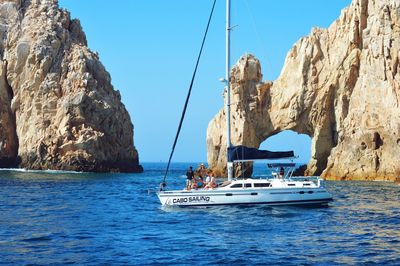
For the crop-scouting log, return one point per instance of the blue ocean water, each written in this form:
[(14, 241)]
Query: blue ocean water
[(113, 219)]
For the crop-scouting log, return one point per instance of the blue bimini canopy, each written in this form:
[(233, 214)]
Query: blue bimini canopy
[(242, 153)]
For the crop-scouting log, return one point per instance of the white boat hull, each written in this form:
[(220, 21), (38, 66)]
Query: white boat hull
[(267, 196)]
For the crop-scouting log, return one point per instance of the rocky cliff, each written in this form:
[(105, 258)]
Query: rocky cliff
[(340, 86), (58, 109)]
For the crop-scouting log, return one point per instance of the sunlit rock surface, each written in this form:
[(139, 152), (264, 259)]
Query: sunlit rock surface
[(340, 86), (58, 109)]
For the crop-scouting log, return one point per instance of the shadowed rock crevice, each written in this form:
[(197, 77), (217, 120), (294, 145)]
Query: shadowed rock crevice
[(8, 134), (340, 86)]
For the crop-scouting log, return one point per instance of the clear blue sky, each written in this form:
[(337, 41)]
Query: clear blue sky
[(150, 47)]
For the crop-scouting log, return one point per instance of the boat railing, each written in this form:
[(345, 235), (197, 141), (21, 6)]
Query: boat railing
[(288, 173), (315, 179)]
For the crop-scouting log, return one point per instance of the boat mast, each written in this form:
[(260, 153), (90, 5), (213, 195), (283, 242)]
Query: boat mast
[(228, 88)]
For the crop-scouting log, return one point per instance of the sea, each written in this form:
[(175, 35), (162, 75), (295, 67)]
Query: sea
[(58, 218)]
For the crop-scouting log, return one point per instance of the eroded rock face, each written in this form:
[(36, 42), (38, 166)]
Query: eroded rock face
[(340, 86), (58, 107)]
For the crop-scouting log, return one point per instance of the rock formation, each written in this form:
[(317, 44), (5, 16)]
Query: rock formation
[(340, 86), (58, 109)]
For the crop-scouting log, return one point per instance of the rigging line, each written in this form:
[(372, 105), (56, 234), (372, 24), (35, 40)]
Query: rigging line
[(261, 42), (189, 92)]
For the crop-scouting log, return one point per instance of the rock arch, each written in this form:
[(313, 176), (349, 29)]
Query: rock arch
[(340, 86), (260, 112)]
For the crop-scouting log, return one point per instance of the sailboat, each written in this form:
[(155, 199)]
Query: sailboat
[(279, 189)]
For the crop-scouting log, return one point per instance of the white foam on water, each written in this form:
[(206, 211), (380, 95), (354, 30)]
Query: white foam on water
[(23, 170)]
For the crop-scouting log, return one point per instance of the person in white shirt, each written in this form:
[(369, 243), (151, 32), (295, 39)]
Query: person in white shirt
[(210, 181), (208, 178)]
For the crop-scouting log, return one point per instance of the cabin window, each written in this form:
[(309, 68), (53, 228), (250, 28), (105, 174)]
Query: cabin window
[(236, 185), (247, 185), (291, 185), (262, 184)]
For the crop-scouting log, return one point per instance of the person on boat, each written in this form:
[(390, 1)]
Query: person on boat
[(201, 170), (281, 172), (189, 178), (199, 182), (208, 179), (212, 183)]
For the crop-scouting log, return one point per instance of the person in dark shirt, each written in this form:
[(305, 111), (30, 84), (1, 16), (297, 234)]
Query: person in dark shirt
[(189, 178), (281, 172)]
